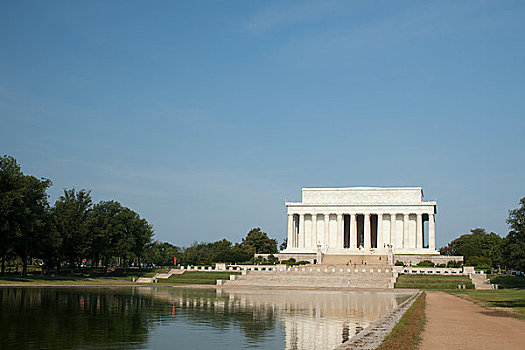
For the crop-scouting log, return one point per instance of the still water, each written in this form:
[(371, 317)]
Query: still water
[(173, 318)]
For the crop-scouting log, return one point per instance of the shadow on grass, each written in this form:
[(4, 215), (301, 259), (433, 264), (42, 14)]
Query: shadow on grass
[(509, 304)]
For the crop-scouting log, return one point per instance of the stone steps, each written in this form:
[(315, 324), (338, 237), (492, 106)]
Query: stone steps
[(160, 275), (312, 279), (332, 259), (144, 280), (481, 282)]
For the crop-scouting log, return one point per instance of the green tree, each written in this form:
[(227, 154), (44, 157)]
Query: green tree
[(161, 253), (70, 215), (283, 245), (117, 231), (133, 235), (11, 204), (477, 248), (514, 246), (32, 219), (105, 229), (259, 242)]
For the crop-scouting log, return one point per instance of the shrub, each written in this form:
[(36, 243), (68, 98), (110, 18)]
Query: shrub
[(272, 259), (290, 261), (453, 264), (426, 263), (399, 263)]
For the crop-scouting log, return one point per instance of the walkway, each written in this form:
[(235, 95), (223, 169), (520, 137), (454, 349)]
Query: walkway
[(454, 323)]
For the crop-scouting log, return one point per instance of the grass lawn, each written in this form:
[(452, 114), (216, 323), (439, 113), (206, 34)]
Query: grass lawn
[(507, 281), (118, 277), (198, 277), (406, 333), (432, 282), (510, 302), (61, 280), (87, 276)]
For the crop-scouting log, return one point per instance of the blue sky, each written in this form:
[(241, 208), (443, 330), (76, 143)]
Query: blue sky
[(204, 116)]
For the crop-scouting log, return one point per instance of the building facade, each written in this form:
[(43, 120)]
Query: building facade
[(361, 220)]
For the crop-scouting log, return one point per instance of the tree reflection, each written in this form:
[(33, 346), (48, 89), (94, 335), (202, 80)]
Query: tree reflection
[(35, 318)]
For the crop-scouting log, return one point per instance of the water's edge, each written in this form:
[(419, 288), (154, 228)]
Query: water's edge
[(372, 336)]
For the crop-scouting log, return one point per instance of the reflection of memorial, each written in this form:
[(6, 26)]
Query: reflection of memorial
[(319, 320), (309, 319)]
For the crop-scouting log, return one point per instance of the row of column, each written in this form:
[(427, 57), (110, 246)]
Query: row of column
[(297, 238)]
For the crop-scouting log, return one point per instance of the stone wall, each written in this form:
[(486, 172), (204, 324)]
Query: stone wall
[(414, 259), (297, 256)]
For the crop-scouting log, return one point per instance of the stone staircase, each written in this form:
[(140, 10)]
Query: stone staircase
[(159, 275), (343, 260), (481, 282), (342, 277)]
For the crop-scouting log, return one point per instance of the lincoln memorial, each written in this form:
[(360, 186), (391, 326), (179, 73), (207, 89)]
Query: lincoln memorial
[(361, 221)]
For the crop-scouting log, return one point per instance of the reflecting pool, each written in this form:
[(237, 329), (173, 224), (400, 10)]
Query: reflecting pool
[(177, 318)]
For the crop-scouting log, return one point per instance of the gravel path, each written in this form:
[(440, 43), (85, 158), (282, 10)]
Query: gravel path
[(455, 323)]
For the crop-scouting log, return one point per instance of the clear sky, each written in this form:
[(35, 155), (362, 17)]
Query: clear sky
[(204, 116)]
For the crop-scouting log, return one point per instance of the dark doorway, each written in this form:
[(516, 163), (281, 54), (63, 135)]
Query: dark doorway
[(425, 230), (346, 235), (360, 230), (373, 231)]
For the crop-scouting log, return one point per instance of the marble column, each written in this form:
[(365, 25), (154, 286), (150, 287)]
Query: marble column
[(326, 232), (406, 239), (314, 232), (367, 232), (379, 231), (339, 241), (419, 231), (289, 242), (301, 231), (392, 228), (431, 232), (353, 231)]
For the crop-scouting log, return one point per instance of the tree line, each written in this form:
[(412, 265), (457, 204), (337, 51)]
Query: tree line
[(207, 253), (489, 250), (72, 230), (75, 231)]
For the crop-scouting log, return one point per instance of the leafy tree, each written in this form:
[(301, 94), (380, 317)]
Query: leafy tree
[(23, 212), (117, 231), (142, 232), (479, 244), (284, 244), (135, 233), (49, 247), (33, 219), (514, 246), (70, 215), (161, 253), (239, 255), (259, 242), (11, 204)]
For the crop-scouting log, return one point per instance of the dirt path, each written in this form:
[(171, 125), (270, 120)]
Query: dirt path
[(454, 323)]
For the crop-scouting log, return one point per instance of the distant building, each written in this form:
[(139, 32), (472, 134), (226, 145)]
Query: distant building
[(361, 220)]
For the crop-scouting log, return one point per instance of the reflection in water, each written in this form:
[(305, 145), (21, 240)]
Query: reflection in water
[(149, 317)]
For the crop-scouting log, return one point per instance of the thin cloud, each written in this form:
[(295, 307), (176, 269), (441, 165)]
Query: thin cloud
[(304, 11)]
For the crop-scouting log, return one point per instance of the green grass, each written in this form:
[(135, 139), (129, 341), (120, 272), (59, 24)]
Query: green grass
[(87, 276), (507, 281), (510, 302), (432, 282), (118, 277), (198, 277), (61, 280), (407, 332)]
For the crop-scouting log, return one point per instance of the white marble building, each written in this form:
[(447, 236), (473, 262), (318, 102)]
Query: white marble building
[(361, 220)]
